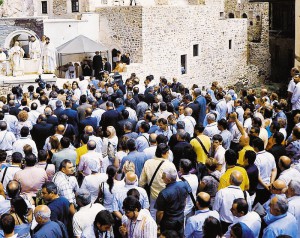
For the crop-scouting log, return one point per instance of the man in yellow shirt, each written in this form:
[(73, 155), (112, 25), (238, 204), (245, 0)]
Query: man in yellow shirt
[(244, 142), (231, 159), (82, 149), (197, 147)]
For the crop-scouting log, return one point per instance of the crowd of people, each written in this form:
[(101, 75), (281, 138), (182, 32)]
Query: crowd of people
[(108, 158)]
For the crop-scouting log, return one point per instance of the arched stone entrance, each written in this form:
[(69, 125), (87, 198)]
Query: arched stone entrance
[(21, 36)]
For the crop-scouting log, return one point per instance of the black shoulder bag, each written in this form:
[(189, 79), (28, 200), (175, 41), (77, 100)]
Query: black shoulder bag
[(147, 187)]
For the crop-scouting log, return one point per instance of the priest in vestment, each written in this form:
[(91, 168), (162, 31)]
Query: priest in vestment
[(49, 57), (34, 48), (16, 54), (2, 62)]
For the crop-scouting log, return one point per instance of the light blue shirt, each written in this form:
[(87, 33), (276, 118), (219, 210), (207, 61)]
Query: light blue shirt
[(193, 228), (221, 108), (142, 142), (122, 194), (285, 224)]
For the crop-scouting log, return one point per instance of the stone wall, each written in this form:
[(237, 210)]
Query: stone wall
[(258, 32), (9, 25), (121, 28)]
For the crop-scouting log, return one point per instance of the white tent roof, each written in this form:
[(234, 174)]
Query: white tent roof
[(81, 44)]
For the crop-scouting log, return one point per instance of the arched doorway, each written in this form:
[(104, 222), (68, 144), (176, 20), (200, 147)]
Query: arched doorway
[(244, 15), (231, 15), (22, 36)]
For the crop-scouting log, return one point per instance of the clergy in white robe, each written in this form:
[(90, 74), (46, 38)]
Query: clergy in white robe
[(34, 48), (2, 62), (16, 54), (49, 57)]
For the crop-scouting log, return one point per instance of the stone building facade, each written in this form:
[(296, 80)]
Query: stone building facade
[(196, 41)]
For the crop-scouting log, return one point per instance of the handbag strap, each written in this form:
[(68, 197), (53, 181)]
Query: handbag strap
[(147, 140), (46, 167), (5, 170), (190, 193), (203, 147), (151, 181), (214, 177), (3, 138)]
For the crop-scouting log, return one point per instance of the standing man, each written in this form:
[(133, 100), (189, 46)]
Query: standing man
[(49, 57), (16, 54), (97, 64), (295, 100), (170, 202), (34, 48), (107, 65)]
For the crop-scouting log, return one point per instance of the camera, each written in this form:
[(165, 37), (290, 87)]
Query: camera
[(41, 82)]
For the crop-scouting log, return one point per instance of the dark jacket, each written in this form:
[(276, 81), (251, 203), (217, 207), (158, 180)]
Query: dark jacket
[(89, 121), (109, 118), (40, 132)]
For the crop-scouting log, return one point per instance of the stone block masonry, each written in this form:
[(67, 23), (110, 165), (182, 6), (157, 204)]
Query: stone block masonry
[(163, 35)]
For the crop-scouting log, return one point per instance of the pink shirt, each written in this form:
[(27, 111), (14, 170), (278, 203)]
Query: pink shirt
[(50, 169), (31, 179)]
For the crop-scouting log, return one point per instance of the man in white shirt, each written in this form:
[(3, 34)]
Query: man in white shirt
[(218, 152), (87, 212), (225, 197), (293, 197), (11, 120), (89, 156), (212, 128), (189, 121), (33, 114), (7, 138), (263, 133), (266, 165), (295, 100), (83, 85), (241, 213), (24, 140), (239, 110), (97, 112), (288, 173), (9, 172), (292, 84)]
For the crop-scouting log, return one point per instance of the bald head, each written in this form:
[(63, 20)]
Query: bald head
[(13, 189), (244, 140), (284, 162), (60, 129), (42, 214), (91, 145), (203, 200), (89, 130), (88, 112), (278, 187), (236, 178), (152, 138), (130, 178)]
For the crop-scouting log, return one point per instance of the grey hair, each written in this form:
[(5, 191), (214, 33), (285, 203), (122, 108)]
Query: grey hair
[(211, 117), (45, 215), (84, 196), (282, 204), (235, 181), (295, 185), (171, 174), (188, 111), (181, 133), (197, 91)]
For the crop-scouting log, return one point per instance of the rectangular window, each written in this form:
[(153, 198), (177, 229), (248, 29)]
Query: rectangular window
[(183, 64), (75, 6), (230, 44), (195, 50), (44, 7), (221, 15)]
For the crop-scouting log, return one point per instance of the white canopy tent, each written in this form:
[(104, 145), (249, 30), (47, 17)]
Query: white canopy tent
[(80, 45)]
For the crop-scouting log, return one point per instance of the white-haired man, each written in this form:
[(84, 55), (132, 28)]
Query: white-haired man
[(293, 197), (47, 228), (170, 202), (212, 127)]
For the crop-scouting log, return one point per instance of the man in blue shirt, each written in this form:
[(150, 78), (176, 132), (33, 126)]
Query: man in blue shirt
[(194, 224), (47, 228), (138, 158), (279, 220), (170, 202)]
